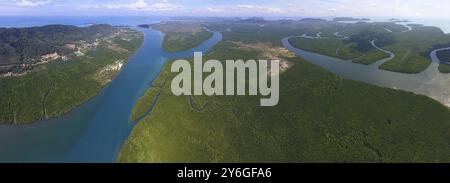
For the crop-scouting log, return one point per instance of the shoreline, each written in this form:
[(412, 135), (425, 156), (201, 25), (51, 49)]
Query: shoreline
[(89, 99), (431, 73)]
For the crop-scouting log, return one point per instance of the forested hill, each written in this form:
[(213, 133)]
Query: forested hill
[(53, 69), (25, 46)]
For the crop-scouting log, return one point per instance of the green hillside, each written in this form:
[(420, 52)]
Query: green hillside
[(49, 89), (27, 45)]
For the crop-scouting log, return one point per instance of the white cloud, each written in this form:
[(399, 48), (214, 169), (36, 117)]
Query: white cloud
[(88, 6), (309, 8), (144, 6), (371, 8), (245, 8), (164, 7), (32, 2), (240, 9), (214, 10)]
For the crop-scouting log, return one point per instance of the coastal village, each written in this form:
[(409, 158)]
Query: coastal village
[(77, 49)]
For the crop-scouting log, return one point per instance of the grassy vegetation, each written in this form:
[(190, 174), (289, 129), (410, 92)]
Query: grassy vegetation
[(320, 118), (146, 101), (182, 36), (444, 68), (339, 49), (444, 57), (251, 32), (412, 49), (330, 47), (54, 88), (392, 26), (273, 31)]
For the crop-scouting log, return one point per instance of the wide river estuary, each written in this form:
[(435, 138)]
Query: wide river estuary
[(95, 131)]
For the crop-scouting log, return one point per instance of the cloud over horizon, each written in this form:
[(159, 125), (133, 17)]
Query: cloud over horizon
[(142, 5), (31, 2), (275, 8)]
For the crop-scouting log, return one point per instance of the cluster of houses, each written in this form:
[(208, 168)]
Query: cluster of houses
[(82, 46), (79, 49), (49, 57)]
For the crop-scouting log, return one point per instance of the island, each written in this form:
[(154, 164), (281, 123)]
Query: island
[(47, 71), (321, 117), (344, 19), (398, 20)]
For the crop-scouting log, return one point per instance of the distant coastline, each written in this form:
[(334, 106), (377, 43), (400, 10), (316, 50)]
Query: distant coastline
[(25, 21)]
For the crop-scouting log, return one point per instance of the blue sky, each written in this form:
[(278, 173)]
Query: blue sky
[(274, 8)]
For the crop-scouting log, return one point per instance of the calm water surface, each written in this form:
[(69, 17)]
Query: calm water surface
[(94, 131)]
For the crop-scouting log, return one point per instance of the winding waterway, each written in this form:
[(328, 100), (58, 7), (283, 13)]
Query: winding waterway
[(94, 131), (430, 82)]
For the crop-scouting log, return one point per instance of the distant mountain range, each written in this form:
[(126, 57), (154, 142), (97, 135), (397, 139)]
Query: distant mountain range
[(338, 19)]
